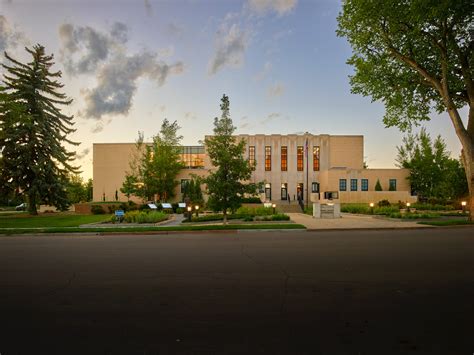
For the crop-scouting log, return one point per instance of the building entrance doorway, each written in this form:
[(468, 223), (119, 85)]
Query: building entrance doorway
[(268, 192), (299, 192), (284, 191)]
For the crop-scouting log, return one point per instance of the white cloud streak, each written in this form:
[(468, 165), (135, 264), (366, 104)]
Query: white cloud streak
[(281, 7)]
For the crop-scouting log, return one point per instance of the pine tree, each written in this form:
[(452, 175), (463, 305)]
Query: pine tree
[(33, 131), (226, 185)]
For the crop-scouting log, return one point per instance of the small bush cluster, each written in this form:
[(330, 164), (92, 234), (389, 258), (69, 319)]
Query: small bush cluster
[(430, 207), (145, 217), (97, 209), (413, 215), (255, 211), (274, 217), (250, 200)]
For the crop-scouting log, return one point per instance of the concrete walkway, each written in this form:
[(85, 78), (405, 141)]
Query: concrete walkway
[(352, 221)]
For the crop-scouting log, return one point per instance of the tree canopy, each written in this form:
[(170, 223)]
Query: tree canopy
[(415, 56), (33, 132), (155, 167), (226, 184), (433, 173)]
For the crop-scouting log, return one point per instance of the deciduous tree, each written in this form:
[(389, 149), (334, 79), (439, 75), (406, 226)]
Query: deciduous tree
[(416, 57), (226, 183)]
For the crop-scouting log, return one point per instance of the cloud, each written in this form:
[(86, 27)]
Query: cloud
[(271, 117), (82, 154), (231, 43), (99, 127), (267, 67), (148, 8), (84, 48), (174, 29), (281, 7), (9, 37), (117, 82), (276, 90), (166, 52), (190, 115)]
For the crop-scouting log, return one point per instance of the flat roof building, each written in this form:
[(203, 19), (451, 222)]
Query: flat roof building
[(291, 166)]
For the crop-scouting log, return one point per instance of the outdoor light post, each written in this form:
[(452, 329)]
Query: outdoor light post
[(189, 213), (274, 206), (463, 205), (197, 210), (371, 208)]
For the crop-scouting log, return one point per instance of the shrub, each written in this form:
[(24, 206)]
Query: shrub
[(96, 209), (280, 217), (384, 203), (386, 210), (248, 218), (180, 210), (430, 207), (250, 200), (145, 217), (255, 211), (355, 208), (378, 186)]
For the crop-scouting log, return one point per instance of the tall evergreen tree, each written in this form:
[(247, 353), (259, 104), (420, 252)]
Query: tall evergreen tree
[(226, 184), (33, 131)]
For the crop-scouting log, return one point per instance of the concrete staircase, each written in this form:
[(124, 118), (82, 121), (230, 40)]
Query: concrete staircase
[(285, 207)]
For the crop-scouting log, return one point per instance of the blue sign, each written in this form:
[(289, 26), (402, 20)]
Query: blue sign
[(119, 213)]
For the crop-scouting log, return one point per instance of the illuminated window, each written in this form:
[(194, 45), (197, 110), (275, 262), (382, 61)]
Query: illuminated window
[(284, 158), (252, 155), (192, 157), (316, 158), (299, 158), (268, 158)]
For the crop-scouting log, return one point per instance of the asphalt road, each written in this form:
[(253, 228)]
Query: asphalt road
[(354, 292)]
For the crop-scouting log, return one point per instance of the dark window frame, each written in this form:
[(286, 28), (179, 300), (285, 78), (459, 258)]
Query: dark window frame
[(342, 184), (354, 184), (364, 184)]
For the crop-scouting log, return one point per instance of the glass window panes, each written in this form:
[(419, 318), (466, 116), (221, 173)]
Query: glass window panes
[(353, 184), (342, 184)]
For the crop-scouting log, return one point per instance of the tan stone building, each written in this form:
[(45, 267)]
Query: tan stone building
[(291, 166)]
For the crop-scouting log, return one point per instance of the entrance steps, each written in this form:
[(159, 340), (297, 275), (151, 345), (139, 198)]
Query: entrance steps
[(286, 207)]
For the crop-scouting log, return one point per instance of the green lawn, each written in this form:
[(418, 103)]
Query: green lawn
[(24, 220), (151, 229), (452, 222)]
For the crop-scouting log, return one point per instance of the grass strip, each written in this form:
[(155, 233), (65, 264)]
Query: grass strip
[(25, 220), (150, 229), (447, 223)]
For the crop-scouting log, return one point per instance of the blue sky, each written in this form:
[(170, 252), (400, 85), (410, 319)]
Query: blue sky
[(130, 64)]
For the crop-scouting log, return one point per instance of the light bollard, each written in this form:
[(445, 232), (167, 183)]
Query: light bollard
[(189, 213), (371, 205), (197, 210)]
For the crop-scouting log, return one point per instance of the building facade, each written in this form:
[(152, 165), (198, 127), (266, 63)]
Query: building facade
[(292, 167)]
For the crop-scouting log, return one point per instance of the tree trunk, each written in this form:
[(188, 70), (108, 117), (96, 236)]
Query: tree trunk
[(469, 167), (225, 217), (32, 204)]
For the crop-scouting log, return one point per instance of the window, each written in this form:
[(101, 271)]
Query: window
[(268, 158), (392, 185), (192, 157), (353, 184), (315, 187), (299, 158), (316, 158), (184, 185), (331, 195), (342, 185), (252, 155), (364, 185), (284, 158)]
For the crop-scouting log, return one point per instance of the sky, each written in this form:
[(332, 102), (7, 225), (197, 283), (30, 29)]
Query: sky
[(129, 64)]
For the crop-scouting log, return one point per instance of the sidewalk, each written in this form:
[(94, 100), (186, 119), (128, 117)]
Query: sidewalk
[(352, 221)]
